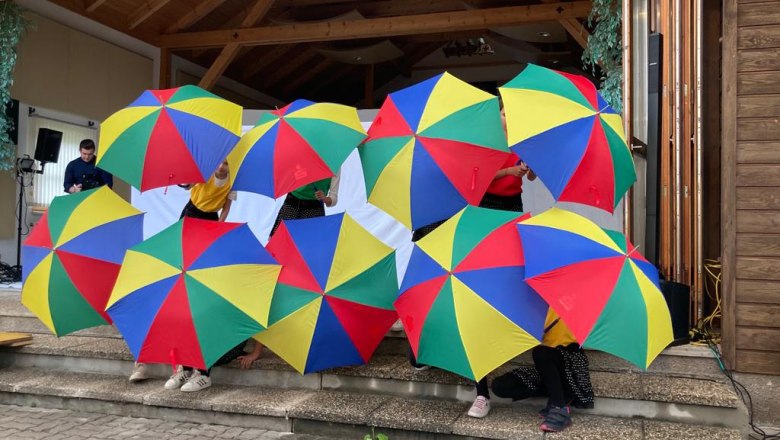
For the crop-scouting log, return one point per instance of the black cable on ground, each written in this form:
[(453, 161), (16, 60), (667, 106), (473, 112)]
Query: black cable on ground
[(704, 333)]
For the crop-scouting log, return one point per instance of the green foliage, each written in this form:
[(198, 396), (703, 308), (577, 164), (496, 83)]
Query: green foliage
[(604, 54), (12, 26), (379, 436)]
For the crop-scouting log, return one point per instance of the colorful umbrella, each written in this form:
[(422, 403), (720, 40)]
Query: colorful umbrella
[(71, 258), (432, 149), (302, 143), (168, 137), (463, 301), (334, 301), (599, 285), (569, 136), (192, 292)]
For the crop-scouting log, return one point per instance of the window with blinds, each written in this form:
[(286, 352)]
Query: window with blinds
[(49, 184)]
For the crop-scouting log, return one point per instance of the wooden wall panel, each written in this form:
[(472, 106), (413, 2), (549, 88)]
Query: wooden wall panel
[(758, 315), (757, 106), (757, 198), (756, 183), (752, 361), (758, 129), (765, 292), (756, 268), (763, 37), (758, 152), (758, 338), (759, 175), (758, 221), (758, 245), (763, 13), (758, 83)]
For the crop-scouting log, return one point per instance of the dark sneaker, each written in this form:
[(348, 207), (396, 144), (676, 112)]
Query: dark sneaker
[(557, 419), (543, 412)]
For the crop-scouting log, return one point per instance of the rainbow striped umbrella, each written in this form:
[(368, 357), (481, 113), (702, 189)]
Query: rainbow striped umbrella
[(597, 282), (463, 301), (168, 137), (72, 256), (192, 292), (432, 149), (299, 144), (334, 301), (569, 136)]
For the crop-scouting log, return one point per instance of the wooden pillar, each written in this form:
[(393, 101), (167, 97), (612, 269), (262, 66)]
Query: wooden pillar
[(728, 178)]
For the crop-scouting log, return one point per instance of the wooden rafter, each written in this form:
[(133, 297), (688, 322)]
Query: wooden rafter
[(146, 10), (379, 8), (196, 14), (379, 27), (574, 28), (94, 5), (289, 68), (229, 52), (266, 60), (307, 75)]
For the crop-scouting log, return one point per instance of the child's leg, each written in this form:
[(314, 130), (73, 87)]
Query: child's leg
[(520, 383), (549, 363), (482, 388)]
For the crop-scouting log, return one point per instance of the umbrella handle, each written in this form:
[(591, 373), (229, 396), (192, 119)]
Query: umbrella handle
[(170, 176), (474, 179)]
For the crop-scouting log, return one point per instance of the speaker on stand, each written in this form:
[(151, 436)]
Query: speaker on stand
[(47, 149)]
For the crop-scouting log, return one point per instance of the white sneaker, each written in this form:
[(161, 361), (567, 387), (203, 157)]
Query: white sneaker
[(139, 373), (196, 382), (480, 408), (178, 379), (397, 326)]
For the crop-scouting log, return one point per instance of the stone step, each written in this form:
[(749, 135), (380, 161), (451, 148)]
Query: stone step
[(688, 361), (660, 396), (322, 412)]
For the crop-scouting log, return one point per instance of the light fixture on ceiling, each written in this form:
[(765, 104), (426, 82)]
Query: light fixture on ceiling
[(544, 34), (471, 47)]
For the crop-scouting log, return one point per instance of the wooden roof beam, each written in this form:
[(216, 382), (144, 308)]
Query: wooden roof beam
[(146, 10), (307, 75), (265, 60), (574, 28), (203, 9), (229, 52), (379, 27), (94, 5)]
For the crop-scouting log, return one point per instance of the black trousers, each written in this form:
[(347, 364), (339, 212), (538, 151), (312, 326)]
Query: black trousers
[(549, 364), (234, 352), (294, 208), (190, 210)]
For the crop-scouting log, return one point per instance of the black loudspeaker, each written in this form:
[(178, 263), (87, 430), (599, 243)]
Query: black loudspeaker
[(12, 115), (47, 149), (654, 90), (678, 298)]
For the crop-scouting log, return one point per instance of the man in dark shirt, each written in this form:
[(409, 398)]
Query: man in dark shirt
[(82, 174)]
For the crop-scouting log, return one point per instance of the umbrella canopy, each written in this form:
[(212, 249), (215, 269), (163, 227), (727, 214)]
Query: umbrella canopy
[(192, 292), (432, 149), (334, 301), (72, 256), (463, 301), (302, 143), (569, 136), (168, 137), (600, 286)]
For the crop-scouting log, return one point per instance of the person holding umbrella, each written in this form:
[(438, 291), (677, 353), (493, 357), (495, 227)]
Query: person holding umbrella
[(309, 201), (560, 371), (211, 200)]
